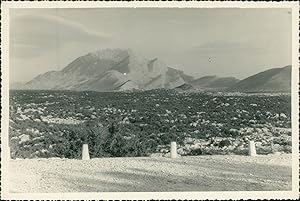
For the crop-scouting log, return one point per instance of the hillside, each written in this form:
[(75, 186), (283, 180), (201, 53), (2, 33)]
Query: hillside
[(185, 87), (272, 80), (214, 83), (108, 70)]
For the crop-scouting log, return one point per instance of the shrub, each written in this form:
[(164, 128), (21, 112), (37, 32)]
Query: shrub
[(149, 125), (224, 143), (196, 152)]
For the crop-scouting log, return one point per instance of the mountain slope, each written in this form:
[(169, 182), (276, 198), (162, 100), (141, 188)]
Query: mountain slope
[(185, 87), (16, 85), (213, 83), (109, 70), (122, 69), (169, 79), (272, 80)]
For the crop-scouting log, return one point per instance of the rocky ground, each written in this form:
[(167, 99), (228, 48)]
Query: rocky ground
[(194, 173), (268, 140)]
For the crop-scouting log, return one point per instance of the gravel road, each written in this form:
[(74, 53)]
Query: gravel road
[(145, 174)]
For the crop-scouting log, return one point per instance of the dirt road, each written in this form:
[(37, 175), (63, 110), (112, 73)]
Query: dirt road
[(199, 173)]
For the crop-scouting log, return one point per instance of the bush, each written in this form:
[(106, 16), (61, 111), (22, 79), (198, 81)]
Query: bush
[(154, 117), (196, 152), (224, 143), (112, 141)]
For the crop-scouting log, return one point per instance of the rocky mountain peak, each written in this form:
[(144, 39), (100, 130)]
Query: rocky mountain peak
[(107, 69), (122, 69), (115, 54)]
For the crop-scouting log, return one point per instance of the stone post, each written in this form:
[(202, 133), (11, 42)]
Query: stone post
[(85, 152), (252, 150), (173, 150)]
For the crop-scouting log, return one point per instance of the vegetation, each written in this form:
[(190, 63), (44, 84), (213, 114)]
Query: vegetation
[(57, 123)]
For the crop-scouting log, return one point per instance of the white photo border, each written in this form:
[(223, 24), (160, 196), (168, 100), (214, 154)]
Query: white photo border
[(5, 6)]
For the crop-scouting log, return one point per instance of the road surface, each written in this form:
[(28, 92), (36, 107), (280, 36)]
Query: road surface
[(145, 174)]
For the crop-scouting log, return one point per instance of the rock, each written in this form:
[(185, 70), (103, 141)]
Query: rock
[(258, 144), (218, 139), (283, 115), (155, 155), (264, 142), (288, 149), (164, 150), (189, 140), (168, 155), (14, 138), (276, 147), (181, 151), (44, 151), (195, 146), (24, 138), (277, 153), (289, 143), (187, 147), (231, 147)]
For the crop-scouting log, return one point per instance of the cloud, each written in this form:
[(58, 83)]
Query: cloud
[(33, 35)]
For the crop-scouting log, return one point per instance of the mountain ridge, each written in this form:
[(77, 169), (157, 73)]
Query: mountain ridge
[(213, 82), (121, 70), (271, 80), (106, 70)]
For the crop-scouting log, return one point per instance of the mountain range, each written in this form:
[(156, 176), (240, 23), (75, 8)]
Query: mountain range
[(121, 69)]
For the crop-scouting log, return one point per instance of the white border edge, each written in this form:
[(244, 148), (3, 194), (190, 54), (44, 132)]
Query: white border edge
[(294, 194)]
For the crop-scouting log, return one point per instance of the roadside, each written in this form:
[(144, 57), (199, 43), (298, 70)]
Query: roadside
[(145, 174)]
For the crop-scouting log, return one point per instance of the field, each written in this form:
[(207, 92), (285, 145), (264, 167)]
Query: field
[(47, 124)]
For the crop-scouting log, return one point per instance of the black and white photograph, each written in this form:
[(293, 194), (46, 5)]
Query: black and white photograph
[(189, 101)]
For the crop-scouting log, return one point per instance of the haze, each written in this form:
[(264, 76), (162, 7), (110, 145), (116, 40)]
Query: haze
[(223, 42)]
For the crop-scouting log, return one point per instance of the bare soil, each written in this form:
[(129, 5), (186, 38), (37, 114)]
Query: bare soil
[(145, 174)]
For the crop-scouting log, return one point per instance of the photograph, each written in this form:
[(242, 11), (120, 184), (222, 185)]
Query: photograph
[(160, 101)]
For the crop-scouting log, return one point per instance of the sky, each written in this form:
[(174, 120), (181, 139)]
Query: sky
[(200, 41)]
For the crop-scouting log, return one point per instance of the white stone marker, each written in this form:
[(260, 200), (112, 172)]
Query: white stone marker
[(252, 150), (85, 152), (173, 150)]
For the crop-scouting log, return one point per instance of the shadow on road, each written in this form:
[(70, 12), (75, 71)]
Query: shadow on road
[(181, 175)]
